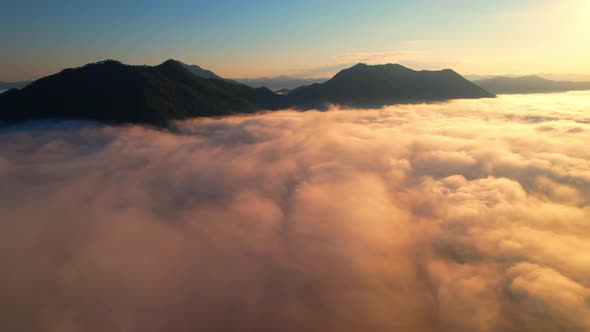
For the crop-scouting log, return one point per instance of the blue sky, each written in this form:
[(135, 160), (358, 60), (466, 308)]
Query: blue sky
[(302, 38)]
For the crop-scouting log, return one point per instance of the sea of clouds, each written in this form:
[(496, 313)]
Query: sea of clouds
[(463, 216)]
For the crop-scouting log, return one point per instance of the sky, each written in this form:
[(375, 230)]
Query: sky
[(302, 38)]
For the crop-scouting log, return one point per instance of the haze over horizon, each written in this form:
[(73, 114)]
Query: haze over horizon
[(299, 38)]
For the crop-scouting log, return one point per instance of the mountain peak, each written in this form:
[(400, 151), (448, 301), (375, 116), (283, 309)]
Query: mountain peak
[(396, 65), (389, 66), (365, 85), (365, 71), (171, 62), (115, 92), (109, 62)]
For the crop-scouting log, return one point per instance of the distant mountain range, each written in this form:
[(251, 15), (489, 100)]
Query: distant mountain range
[(528, 84), (553, 77), (205, 73), (114, 92), (492, 83), (280, 82), (13, 85), (566, 77)]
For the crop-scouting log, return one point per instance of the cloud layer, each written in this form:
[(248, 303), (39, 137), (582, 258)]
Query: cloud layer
[(463, 216)]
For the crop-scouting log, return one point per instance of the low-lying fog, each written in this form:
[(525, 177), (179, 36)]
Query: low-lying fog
[(466, 216)]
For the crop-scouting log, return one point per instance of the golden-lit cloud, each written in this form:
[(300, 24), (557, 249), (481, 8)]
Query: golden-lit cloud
[(460, 216)]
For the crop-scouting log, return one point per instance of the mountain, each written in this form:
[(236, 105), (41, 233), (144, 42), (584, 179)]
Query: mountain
[(528, 84), (110, 91), (373, 86), (204, 73), (13, 85), (114, 92), (280, 82), (552, 77), (474, 78), (566, 77)]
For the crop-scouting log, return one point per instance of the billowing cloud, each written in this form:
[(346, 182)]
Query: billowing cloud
[(462, 216)]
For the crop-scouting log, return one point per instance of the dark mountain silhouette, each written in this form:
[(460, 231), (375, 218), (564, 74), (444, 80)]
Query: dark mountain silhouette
[(114, 92), (528, 84), (204, 73), (372, 86), (13, 85), (280, 82)]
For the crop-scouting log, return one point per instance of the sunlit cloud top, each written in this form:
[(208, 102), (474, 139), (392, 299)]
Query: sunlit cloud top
[(470, 215)]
